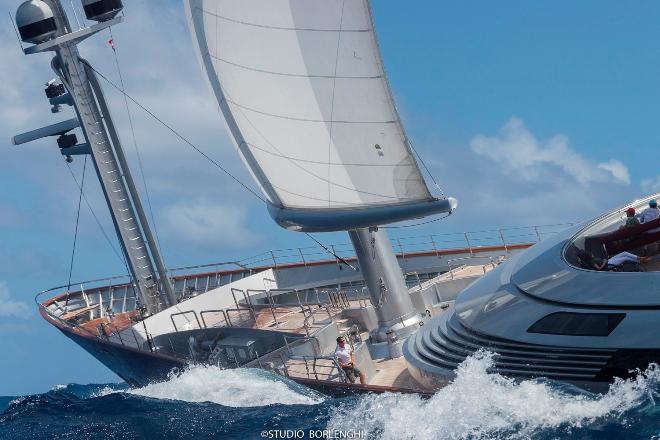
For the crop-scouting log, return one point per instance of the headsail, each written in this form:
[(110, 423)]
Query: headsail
[(302, 87)]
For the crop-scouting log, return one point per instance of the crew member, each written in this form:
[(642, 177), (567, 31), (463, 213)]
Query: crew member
[(651, 213), (346, 358), (631, 220)]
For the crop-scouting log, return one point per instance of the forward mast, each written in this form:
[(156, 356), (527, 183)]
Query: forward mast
[(44, 23)]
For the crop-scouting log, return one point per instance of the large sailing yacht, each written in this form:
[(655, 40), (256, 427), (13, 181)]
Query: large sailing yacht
[(302, 89)]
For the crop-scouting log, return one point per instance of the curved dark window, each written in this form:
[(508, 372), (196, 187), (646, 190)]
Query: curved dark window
[(577, 324)]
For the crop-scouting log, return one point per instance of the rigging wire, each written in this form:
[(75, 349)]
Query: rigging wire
[(135, 143), (340, 259), (18, 37), (183, 138), (75, 234), (428, 171), (75, 14), (332, 101), (98, 223)]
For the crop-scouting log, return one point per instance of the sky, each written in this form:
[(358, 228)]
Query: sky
[(529, 113)]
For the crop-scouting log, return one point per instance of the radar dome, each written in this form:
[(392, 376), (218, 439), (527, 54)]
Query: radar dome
[(35, 22), (101, 10)]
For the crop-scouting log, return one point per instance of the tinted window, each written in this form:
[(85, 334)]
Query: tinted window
[(577, 324)]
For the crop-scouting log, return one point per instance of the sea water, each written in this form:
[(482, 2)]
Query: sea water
[(207, 402)]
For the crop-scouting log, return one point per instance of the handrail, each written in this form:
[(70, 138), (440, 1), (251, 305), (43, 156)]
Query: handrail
[(283, 291), (306, 320), (270, 302), (409, 245), (419, 281), (114, 337), (471, 257), (172, 315), (231, 324), (301, 339), (224, 315), (332, 358)]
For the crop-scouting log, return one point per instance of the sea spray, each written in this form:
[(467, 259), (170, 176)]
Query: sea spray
[(237, 388), (479, 404)]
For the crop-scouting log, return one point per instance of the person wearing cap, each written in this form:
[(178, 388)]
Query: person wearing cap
[(346, 358), (651, 213), (631, 220)]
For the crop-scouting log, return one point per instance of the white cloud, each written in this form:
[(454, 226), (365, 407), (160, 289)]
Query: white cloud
[(204, 223), (10, 308), (651, 185), (618, 170), (513, 179), (519, 152)]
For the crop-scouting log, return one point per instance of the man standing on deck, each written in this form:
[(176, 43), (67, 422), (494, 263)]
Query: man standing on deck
[(346, 359)]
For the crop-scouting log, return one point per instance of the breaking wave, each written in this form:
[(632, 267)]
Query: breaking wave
[(479, 404), (207, 402), (236, 388)]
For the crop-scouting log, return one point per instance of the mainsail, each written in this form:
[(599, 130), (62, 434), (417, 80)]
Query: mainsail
[(303, 91)]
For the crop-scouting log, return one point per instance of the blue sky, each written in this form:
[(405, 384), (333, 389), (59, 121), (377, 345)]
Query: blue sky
[(527, 112)]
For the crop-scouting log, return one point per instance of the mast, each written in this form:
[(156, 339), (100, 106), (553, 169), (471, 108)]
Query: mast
[(387, 287), (45, 23)]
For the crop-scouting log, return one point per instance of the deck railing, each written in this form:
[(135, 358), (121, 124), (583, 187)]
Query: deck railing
[(115, 294), (406, 245)]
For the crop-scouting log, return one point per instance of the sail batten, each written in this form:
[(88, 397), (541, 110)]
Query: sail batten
[(303, 90)]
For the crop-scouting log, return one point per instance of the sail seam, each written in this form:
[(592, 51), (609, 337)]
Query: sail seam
[(304, 119), (327, 163), (281, 28), (305, 170), (361, 203), (298, 75)]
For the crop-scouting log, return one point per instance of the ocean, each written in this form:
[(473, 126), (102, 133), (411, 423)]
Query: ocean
[(210, 403)]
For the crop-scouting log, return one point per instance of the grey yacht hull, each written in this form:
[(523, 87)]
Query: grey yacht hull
[(545, 313)]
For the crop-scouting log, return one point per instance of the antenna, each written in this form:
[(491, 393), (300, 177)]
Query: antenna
[(75, 14), (18, 37)]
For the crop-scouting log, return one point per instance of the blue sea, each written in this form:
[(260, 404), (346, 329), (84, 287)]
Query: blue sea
[(210, 403)]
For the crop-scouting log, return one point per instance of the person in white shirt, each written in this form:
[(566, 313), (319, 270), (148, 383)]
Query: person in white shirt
[(346, 359), (648, 215), (651, 213)]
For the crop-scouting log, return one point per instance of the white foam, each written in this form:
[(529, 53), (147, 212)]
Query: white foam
[(18, 400), (237, 388), (106, 390), (481, 405)]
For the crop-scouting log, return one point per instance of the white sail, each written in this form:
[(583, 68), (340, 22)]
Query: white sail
[(302, 88)]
